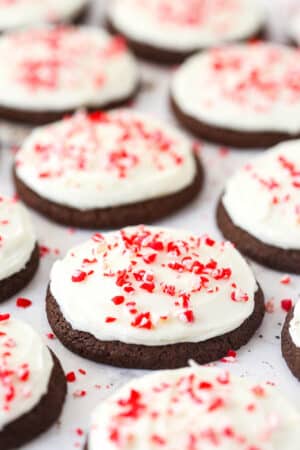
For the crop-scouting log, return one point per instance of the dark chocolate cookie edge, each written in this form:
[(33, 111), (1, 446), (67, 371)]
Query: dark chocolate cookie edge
[(16, 282), (142, 212), (120, 354), (268, 255), (41, 417)]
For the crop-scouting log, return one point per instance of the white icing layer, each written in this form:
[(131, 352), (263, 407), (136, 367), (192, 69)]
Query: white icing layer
[(17, 237), (62, 68), (263, 198), (20, 13), (195, 408), (103, 160), (250, 87), (152, 286), (199, 23), (25, 369), (294, 328)]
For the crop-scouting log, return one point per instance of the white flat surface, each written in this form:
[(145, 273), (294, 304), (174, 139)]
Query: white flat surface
[(260, 359)]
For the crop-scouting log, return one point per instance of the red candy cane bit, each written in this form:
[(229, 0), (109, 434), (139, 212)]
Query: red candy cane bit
[(287, 304), (110, 319), (23, 302), (4, 317), (118, 299), (79, 276), (143, 320), (71, 377)]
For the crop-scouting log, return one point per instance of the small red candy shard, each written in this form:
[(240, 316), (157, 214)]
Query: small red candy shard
[(98, 116), (286, 304), (142, 320), (4, 317), (189, 316), (216, 404), (23, 302), (118, 299), (110, 319), (258, 391), (205, 385), (79, 276), (210, 242), (285, 280), (71, 377)]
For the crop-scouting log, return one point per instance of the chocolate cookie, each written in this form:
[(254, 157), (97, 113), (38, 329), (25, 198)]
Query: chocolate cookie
[(291, 351), (224, 95), (151, 30), (159, 164), (19, 251), (16, 282), (140, 339), (258, 208), (119, 354), (203, 407), (56, 84), (41, 417), (28, 368)]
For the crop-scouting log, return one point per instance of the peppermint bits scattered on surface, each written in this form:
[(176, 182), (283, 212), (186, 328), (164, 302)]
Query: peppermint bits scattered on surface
[(23, 302)]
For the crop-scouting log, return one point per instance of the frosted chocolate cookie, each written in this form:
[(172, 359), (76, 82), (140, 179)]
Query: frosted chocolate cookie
[(193, 408), (168, 31), (107, 170), (244, 96), (19, 252), (32, 384), (23, 13), (51, 71), (290, 340), (259, 209), (147, 297)]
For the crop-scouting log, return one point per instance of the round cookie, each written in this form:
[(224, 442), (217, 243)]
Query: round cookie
[(244, 96), (107, 170), (152, 27), (51, 71), (32, 384), (259, 209), (23, 13), (19, 251), (153, 298), (193, 408), (290, 340)]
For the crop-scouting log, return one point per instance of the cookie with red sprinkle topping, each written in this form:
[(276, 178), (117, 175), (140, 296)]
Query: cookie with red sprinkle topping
[(108, 169), (23, 13), (152, 27), (147, 297), (195, 408), (50, 72), (32, 384), (19, 252), (244, 96), (290, 339), (259, 210)]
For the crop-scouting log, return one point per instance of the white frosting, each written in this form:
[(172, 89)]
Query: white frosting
[(152, 286), (122, 157), (250, 87), (61, 68), (19, 13), (199, 23), (17, 237), (294, 327), (263, 198), (193, 408), (25, 369)]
